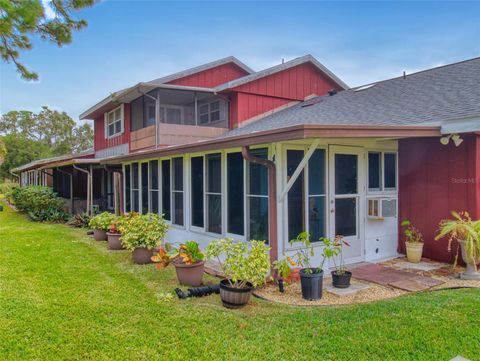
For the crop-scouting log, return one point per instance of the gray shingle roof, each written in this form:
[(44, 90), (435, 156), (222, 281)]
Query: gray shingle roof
[(429, 97)]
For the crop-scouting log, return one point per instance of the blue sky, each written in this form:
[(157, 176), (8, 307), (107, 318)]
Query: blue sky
[(131, 41)]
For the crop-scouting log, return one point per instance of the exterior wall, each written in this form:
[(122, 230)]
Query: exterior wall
[(434, 180), (269, 92), (101, 142), (212, 77)]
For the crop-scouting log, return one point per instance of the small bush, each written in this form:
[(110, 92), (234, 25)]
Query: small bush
[(102, 221), (80, 220), (40, 203), (145, 230)]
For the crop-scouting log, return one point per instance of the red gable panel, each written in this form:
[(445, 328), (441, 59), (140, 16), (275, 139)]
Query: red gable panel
[(212, 77), (100, 142)]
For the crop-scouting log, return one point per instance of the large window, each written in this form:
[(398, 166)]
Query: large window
[(166, 202), (144, 191), (235, 194), (197, 191), (257, 198), (135, 188), (296, 195), (213, 193), (114, 122), (153, 185), (317, 195), (177, 191), (209, 112), (382, 171)]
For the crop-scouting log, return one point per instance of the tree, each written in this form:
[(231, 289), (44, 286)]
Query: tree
[(22, 19)]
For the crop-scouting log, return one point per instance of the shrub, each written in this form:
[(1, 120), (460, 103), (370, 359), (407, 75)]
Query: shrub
[(144, 230), (80, 220), (7, 187), (40, 203), (118, 221), (243, 262), (102, 221)]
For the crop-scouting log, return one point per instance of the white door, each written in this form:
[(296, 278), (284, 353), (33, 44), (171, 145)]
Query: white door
[(346, 199)]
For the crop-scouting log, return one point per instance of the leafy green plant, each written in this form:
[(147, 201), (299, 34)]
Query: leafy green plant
[(7, 187), (80, 220), (102, 221), (143, 230), (242, 262), (282, 267), (461, 229), (412, 234), (337, 249), (116, 224), (187, 253)]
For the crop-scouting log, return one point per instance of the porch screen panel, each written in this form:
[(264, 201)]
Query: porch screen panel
[(374, 170), (135, 188), (128, 204), (166, 203), (153, 185), (177, 191), (213, 194), (144, 188), (296, 199), (257, 198), (317, 195), (235, 193), (197, 191), (390, 166)]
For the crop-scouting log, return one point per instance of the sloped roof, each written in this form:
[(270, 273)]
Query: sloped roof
[(62, 158), (442, 96)]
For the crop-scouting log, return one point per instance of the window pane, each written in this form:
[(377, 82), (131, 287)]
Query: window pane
[(118, 114), (214, 106), (346, 173), (111, 129), (118, 127), (135, 201), (178, 174), (214, 212), (390, 170), (154, 201), (258, 174), (178, 208), (214, 173), (166, 189), (174, 116), (127, 189), (374, 170), (214, 116), (135, 175), (346, 216), (149, 111), (197, 191), (204, 119), (203, 109), (136, 111), (144, 188), (296, 193), (316, 172), (154, 174), (258, 218), (316, 217), (111, 117), (235, 179)]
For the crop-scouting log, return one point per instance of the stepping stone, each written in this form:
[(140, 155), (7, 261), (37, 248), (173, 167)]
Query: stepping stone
[(429, 281), (410, 285), (421, 266), (352, 290)]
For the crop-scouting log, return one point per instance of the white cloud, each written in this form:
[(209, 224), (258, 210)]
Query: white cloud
[(49, 13)]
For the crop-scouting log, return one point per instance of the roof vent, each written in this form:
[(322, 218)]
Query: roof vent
[(332, 92)]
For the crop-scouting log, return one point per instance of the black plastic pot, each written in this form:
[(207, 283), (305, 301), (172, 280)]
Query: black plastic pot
[(312, 283), (341, 280), (281, 286), (234, 297)]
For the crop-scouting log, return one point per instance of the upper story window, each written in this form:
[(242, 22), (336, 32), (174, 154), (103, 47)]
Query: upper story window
[(209, 112), (382, 171), (114, 122)]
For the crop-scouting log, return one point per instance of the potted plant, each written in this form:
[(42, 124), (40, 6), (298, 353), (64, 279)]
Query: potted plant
[(283, 271), (100, 224), (466, 232), (245, 266), (189, 263), (141, 234), (340, 275), (311, 278), (413, 241)]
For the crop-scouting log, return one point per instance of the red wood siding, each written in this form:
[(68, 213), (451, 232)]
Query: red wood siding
[(270, 92), (434, 180), (212, 77), (99, 127)]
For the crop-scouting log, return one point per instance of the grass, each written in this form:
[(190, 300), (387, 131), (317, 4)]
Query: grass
[(64, 296)]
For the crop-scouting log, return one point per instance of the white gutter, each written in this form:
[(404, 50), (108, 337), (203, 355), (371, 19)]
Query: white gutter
[(466, 125)]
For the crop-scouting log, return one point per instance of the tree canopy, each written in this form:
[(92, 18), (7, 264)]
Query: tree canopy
[(50, 20), (28, 136)]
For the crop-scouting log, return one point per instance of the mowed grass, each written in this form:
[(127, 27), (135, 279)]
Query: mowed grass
[(64, 296)]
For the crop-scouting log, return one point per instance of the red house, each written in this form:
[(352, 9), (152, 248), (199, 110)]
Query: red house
[(221, 150)]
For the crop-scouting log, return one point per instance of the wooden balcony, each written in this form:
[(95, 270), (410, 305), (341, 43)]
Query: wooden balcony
[(172, 134)]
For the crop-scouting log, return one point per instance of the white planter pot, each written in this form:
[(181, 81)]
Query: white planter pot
[(414, 251), (471, 273)]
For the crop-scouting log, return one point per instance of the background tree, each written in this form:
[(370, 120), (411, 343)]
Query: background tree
[(50, 20), (28, 136)]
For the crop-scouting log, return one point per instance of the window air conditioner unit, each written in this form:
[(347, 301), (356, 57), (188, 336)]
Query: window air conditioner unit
[(381, 208)]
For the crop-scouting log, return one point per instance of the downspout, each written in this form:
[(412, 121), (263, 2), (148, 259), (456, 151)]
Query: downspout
[(272, 199), (72, 209), (89, 201)]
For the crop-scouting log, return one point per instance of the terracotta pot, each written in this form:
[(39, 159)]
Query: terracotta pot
[(100, 235), (471, 273), (114, 242), (234, 297), (141, 255), (190, 274), (414, 251)]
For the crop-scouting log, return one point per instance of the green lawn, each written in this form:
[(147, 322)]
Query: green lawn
[(63, 296)]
